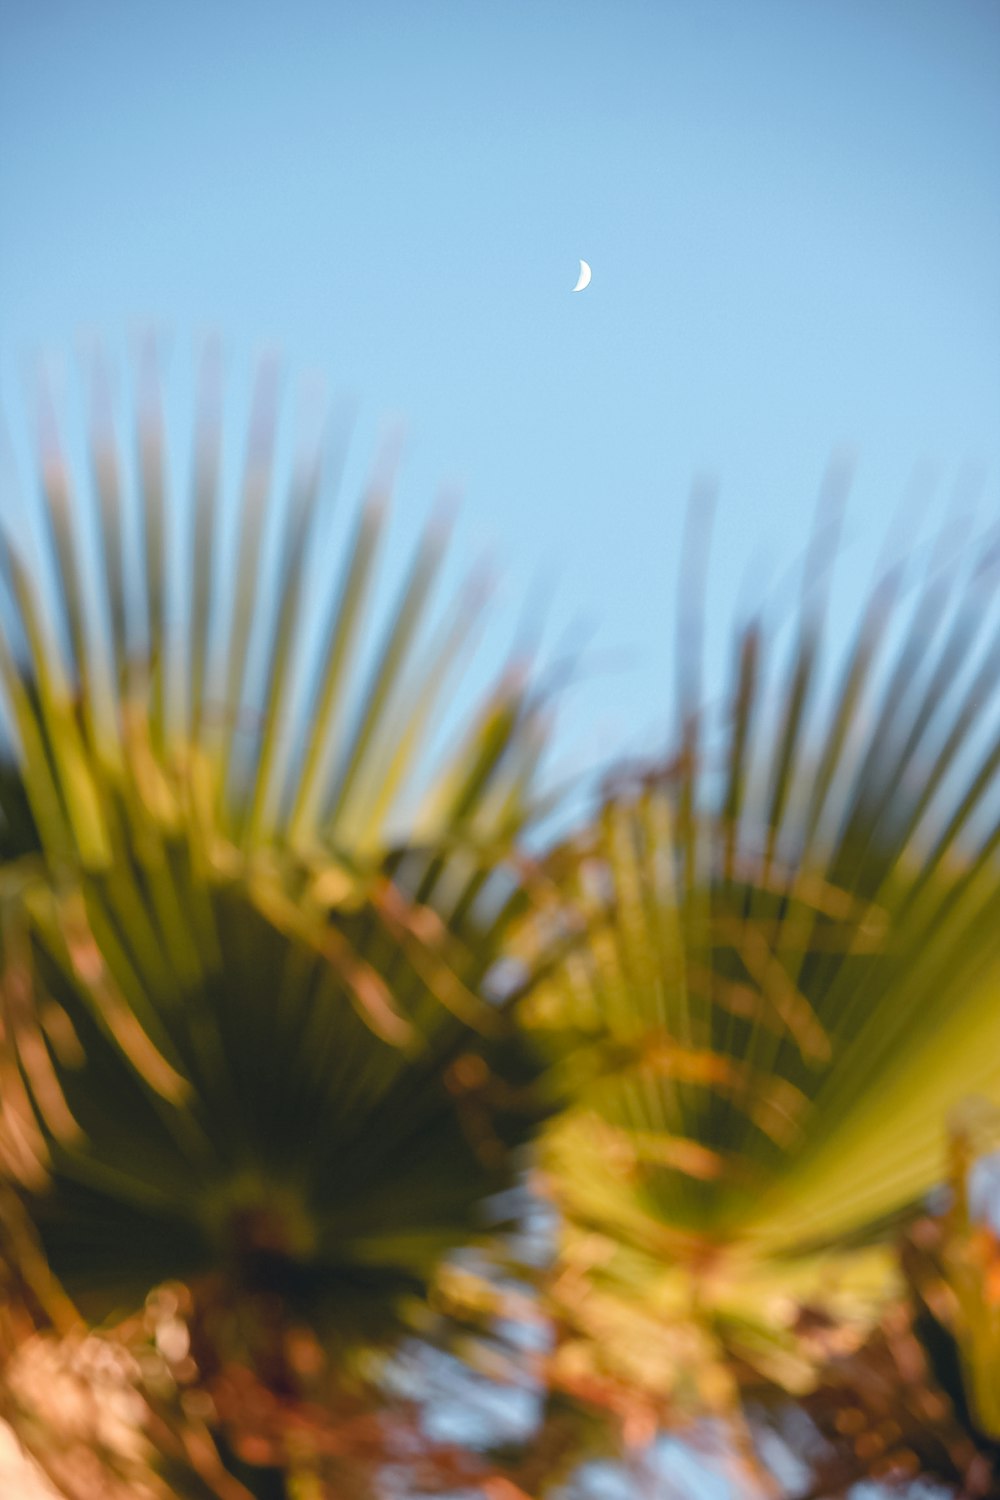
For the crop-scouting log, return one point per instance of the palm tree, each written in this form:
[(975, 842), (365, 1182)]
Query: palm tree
[(284, 997), (249, 916), (791, 986)]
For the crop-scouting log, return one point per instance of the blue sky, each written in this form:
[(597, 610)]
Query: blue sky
[(791, 211)]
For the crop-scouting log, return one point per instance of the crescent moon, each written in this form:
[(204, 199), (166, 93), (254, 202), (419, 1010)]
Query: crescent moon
[(585, 274)]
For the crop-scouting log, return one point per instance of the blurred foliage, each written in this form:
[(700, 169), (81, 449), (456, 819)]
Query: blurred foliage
[(311, 1073), (791, 983), (248, 1042), (917, 1398)]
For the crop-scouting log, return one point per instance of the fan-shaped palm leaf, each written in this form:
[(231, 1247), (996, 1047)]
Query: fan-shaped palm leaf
[(796, 979), (245, 934)]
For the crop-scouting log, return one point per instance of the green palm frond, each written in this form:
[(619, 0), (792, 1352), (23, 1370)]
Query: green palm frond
[(793, 980), (918, 1395), (246, 926)]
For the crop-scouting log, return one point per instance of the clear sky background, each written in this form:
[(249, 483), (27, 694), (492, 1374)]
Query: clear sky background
[(791, 208)]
